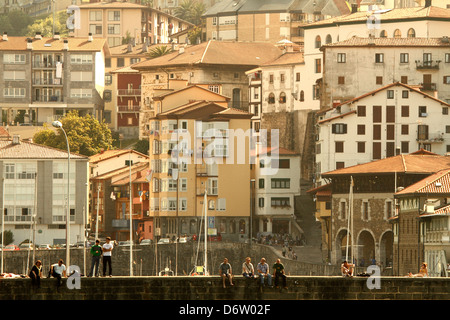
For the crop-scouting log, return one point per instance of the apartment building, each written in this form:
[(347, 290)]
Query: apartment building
[(219, 65), (193, 151), (125, 21), (395, 119), (419, 22), (44, 78), (421, 226), (35, 192), (275, 193), (268, 21), (359, 65)]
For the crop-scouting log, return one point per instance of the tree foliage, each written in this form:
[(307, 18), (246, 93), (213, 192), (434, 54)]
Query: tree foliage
[(8, 237), (159, 51), (45, 25), (190, 10), (86, 135), (15, 23)]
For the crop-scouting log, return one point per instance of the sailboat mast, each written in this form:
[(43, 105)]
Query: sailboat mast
[(206, 229)]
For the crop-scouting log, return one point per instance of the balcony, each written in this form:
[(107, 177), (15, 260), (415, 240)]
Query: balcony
[(429, 86), (430, 138), (133, 108), (128, 92), (47, 82), (49, 98), (44, 64), (427, 65)]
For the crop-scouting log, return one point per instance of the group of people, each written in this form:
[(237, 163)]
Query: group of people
[(58, 270), (248, 271), (347, 270)]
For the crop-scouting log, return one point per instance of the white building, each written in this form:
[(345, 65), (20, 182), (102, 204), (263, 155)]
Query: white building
[(420, 22), (394, 119), (358, 65), (35, 185), (275, 193)]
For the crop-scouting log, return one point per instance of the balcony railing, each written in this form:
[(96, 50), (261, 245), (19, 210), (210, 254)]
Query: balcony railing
[(431, 64), (429, 86), (134, 108), (42, 82), (129, 92), (432, 137), (42, 64), (48, 99)]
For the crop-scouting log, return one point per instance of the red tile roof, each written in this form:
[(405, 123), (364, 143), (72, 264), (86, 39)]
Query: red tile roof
[(437, 183)]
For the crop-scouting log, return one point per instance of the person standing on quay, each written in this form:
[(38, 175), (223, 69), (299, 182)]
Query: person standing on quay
[(107, 253), (96, 252)]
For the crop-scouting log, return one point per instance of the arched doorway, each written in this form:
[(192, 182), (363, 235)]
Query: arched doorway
[(386, 249), (340, 247), (366, 249)]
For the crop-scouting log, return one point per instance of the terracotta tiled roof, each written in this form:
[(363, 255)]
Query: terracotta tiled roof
[(287, 58), (50, 44), (437, 183), (410, 164), (162, 96), (122, 172), (324, 189), (204, 110), (400, 14), (29, 150), (216, 53), (390, 42)]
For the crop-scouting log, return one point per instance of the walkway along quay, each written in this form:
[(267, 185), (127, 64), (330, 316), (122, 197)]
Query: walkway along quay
[(203, 288)]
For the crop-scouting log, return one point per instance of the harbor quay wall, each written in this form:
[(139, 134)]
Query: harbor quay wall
[(203, 288), (149, 260)]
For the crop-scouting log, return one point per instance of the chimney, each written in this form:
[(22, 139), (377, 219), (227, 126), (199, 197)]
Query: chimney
[(56, 36), (30, 44), (427, 3), (38, 36), (354, 8), (66, 45), (5, 36), (90, 38), (16, 139)]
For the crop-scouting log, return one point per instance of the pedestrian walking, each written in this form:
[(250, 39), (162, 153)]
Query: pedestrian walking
[(107, 254), (96, 253)]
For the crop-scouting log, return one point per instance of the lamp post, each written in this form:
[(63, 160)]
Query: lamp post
[(58, 124)]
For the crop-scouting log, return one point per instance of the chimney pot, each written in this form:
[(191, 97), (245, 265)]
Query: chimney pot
[(30, 44), (90, 38), (427, 3), (5, 36)]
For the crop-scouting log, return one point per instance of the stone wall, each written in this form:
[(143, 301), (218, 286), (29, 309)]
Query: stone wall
[(146, 258), (210, 288)]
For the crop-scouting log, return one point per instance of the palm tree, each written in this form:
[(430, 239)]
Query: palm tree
[(159, 51), (190, 10)]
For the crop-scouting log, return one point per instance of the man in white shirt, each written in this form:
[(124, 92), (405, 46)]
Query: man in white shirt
[(58, 270), (107, 249)]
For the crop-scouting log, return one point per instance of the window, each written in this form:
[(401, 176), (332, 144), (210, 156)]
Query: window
[(328, 39), (405, 94), (341, 80), (340, 164), (447, 58), (404, 79), (282, 97), (280, 202), (282, 77), (397, 33), (270, 78), (316, 92), (390, 94), (81, 93), (95, 29), (13, 75), (280, 183), (120, 62), (405, 129), (379, 80), (81, 58), (405, 146), (383, 34), (113, 28), (107, 95), (361, 111), (341, 58), (365, 210), (339, 128), (14, 92), (446, 79), (297, 77), (379, 57), (81, 76), (361, 146), (11, 58), (318, 42), (271, 99), (108, 79), (114, 15), (405, 111), (339, 146), (318, 65), (261, 183), (95, 15), (221, 204), (422, 111), (361, 129), (404, 57), (411, 33), (445, 110), (302, 95), (261, 202)]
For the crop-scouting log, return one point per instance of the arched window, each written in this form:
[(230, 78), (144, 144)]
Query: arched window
[(411, 33), (397, 33), (271, 98), (328, 39), (383, 34), (282, 97), (211, 205), (318, 42), (302, 95)]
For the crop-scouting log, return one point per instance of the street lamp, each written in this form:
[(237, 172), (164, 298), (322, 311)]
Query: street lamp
[(58, 124)]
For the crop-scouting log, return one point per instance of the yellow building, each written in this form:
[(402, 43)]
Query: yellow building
[(193, 151)]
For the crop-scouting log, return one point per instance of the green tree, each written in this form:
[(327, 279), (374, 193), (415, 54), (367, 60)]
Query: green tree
[(159, 51), (86, 135), (142, 146), (8, 237), (15, 23), (45, 26), (195, 34), (190, 10)]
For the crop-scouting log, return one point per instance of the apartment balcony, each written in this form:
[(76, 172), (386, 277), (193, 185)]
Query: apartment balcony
[(127, 108), (48, 98), (128, 92), (430, 138), (47, 82), (44, 64), (427, 65), (438, 236), (429, 86)]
